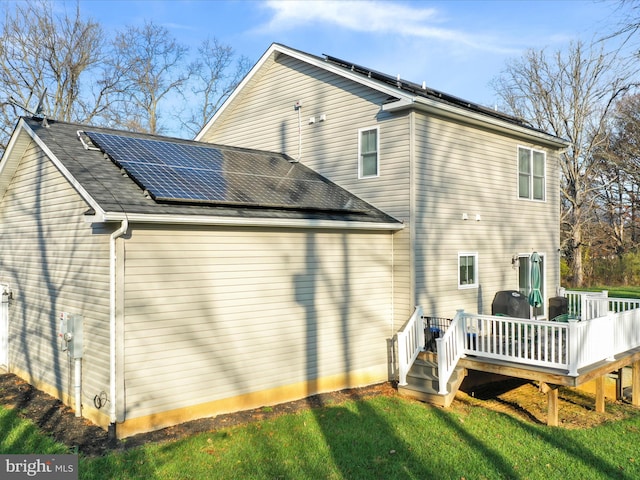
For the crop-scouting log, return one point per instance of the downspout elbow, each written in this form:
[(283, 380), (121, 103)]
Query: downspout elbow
[(124, 226)]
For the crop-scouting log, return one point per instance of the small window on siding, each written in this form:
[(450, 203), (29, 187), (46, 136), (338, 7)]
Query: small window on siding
[(467, 270), (368, 157), (531, 174)]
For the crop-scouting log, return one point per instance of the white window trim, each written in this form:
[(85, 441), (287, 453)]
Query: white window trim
[(476, 280), (366, 129), (544, 193)]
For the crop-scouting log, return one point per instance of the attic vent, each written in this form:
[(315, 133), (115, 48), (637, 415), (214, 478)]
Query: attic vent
[(87, 143)]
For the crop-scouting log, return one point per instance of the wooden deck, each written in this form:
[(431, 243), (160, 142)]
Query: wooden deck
[(550, 375), (602, 338), (550, 379)]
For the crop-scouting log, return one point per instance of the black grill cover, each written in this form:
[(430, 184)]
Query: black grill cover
[(558, 306), (510, 303)]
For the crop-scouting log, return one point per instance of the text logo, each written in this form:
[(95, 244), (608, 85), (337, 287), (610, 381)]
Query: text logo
[(50, 467)]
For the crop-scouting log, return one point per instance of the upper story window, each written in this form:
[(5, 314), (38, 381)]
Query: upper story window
[(368, 156), (467, 270), (531, 173)]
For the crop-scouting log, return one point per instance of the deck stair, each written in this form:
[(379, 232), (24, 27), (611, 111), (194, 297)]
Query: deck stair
[(422, 381)]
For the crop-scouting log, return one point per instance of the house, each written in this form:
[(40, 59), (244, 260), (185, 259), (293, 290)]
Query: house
[(147, 281)]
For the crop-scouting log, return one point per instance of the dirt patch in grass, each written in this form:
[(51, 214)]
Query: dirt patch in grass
[(513, 397), (524, 399)]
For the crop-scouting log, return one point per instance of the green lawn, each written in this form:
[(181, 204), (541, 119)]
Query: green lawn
[(376, 438)]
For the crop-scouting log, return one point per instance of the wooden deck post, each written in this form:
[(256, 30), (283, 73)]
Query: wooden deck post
[(619, 384), (635, 384), (552, 403), (600, 394)]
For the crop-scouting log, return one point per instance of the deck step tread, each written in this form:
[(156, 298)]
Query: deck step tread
[(423, 382)]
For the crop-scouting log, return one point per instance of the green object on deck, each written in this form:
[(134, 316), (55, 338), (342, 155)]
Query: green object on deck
[(561, 318), (535, 296)]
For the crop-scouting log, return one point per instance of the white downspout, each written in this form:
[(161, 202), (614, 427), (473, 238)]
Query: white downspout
[(112, 320), (78, 385)]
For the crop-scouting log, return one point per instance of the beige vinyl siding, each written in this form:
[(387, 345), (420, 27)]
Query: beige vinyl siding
[(462, 169), (53, 262), (216, 313), (265, 118)]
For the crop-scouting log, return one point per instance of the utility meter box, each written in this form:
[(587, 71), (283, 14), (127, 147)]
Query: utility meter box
[(71, 335)]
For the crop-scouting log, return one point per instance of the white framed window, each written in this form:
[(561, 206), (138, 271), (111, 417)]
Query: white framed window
[(368, 154), (467, 270), (531, 173)]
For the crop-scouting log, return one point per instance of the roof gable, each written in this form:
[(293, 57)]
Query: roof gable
[(401, 94)]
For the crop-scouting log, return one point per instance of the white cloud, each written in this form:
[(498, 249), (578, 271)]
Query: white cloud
[(375, 17)]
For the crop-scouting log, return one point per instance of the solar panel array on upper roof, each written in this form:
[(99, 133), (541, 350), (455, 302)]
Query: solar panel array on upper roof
[(174, 171)]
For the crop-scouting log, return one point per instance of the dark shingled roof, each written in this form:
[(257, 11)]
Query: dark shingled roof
[(114, 192), (426, 92)]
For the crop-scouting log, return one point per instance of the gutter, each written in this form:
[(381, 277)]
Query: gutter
[(112, 324), (102, 217), (474, 118)]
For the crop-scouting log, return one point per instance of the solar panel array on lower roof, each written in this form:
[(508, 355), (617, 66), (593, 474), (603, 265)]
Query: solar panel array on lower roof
[(175, 171)]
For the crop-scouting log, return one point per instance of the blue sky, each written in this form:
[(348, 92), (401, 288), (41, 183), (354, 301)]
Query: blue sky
[(455, 46)]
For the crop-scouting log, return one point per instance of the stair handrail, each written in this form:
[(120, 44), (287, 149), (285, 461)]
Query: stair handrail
[(410, 344), (450, 348)]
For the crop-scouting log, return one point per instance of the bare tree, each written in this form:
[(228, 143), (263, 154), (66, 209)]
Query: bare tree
[(215, 76), (150, 67), (136, 80), (570, 94), (39, 51), (620, 175)]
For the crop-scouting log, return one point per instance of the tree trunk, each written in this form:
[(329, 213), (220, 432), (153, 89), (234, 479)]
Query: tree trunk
[(577, 268)]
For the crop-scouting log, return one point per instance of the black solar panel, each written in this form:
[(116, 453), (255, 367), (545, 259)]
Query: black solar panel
[(174, 171)]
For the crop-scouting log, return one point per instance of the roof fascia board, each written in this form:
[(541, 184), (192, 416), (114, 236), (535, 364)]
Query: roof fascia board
[(241, 221), (475, 118), (65, 173), (356, 77), (276, 49)]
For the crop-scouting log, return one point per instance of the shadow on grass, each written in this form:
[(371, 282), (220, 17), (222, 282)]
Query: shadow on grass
[(543, 440), (365, 444), (481, 446)]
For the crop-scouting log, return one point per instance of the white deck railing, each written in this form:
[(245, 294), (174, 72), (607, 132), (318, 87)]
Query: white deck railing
[(410, 343), (623, 304), (566, 346), (608, 327), (593, 303), (450, 348), (587, 305), (533, 342)]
